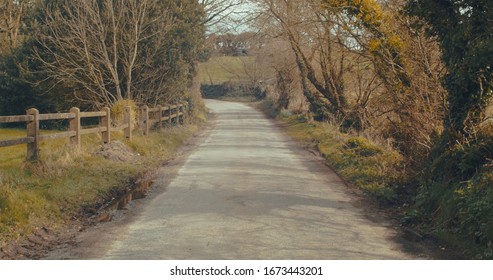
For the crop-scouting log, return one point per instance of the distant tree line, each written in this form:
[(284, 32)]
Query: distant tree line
[(229, 44)]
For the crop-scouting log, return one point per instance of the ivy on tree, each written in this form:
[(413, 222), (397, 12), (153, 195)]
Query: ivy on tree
[(464, 29)]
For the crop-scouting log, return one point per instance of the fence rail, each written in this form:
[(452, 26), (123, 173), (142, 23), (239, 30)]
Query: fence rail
[(147, 118)]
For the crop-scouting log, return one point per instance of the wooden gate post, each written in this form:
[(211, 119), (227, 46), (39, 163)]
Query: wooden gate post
[(160, 116), (74, 126), (105, 122), (170, 114), (144, 115), (127, 119), (33, 132), (181, 113)]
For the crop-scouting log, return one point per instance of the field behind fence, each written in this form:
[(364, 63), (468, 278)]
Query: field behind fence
[(147, 118)]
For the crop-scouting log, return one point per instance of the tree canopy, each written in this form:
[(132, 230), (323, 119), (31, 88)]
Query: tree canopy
[(101, 51), (464, 30)]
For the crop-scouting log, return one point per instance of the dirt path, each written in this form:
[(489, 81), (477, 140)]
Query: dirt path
[(245, 191)]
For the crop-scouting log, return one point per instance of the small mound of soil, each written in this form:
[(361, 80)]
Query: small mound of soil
[(117, 151)]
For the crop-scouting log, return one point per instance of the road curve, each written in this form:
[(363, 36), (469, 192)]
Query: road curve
[(248, 192)]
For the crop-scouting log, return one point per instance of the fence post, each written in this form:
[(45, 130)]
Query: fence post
[(105, 121), (33, 131), (181, 112), (75, 126), (160, 116), (127, 119), (170, 113), (144, 113)]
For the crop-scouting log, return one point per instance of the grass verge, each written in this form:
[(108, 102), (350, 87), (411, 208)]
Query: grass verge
[(49, 193), (450, 210), (374, 168)]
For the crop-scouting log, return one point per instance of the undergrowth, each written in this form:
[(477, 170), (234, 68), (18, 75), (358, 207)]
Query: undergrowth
[(456, 196)]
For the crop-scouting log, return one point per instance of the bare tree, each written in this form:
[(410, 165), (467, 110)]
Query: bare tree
[(315, 42), (223, 15), (95, 47), (12, 13), (362, 65), (411, 102)]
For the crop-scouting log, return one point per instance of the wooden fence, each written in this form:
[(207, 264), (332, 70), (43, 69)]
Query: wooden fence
[(147, 118)]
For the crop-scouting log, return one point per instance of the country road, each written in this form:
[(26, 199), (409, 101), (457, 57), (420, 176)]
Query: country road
[(244, 191)]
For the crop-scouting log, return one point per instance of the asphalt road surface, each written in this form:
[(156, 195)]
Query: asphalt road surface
[(244, 191)]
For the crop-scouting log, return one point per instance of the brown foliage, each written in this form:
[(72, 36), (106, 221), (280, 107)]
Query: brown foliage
[(364, 67)]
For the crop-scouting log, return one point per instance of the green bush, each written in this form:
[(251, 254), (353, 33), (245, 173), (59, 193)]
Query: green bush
[(20, 88), (457, 195)]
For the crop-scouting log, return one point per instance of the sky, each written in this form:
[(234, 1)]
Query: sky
[(235, 22)]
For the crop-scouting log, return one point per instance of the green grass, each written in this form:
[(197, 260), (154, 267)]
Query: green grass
[(223, 69), (13, 154), (50, 192)]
